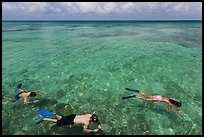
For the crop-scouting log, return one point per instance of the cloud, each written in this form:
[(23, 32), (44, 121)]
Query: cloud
[(66, 10), (97, 7), (24, 6)]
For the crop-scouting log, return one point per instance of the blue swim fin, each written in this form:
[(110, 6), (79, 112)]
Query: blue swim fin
[(128, 97), (46, 113), (133, 90), (19, 85), (39, 121)]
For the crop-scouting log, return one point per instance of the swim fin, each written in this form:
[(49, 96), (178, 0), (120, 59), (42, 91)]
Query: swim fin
[(46, 113), (19, 85), (39, 121), (133, 90), (128, 97)]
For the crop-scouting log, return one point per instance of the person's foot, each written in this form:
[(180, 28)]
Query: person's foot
[(19, 85), (39, 121)]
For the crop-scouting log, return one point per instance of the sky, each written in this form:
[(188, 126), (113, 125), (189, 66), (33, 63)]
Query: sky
[(102, 10)]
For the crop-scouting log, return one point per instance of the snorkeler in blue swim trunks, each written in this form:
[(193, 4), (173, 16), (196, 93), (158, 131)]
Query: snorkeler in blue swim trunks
[(25, 95), (84, 119)]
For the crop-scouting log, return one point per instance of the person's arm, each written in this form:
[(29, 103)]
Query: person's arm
[(177, 111), (99, 125), (43, 92), (89, 130), (21, 90), (10, 99), (26, 101)]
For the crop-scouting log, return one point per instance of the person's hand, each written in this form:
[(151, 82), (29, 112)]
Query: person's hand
[(43, 92), (95, 130), (99, 126), (180, 112), (35, 101)]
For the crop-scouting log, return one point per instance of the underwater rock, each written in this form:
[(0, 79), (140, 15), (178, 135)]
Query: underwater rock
[(63, 109), (60, 93)]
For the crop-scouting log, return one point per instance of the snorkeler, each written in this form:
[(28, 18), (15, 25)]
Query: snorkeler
[(25, 95), (157, 98), (72, 119)]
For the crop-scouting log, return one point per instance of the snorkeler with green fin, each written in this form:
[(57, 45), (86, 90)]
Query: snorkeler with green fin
[(156, 98), (71, 119), (25, 95)]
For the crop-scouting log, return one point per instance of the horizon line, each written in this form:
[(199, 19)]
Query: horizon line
[(102, 20)]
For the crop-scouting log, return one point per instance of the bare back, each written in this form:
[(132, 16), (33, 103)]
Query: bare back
[(83, 119), (25, 94)]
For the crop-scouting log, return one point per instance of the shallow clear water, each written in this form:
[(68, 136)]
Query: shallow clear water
[(85, 67)]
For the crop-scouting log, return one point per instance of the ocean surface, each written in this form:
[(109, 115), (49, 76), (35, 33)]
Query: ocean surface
[(85, 66)]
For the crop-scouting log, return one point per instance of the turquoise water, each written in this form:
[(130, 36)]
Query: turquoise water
[(85, 67)]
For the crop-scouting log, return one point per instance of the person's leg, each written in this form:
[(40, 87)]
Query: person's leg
[(50, 119), (142, 93), (21, 90), (58, 116), (10, 99), (145, 99)]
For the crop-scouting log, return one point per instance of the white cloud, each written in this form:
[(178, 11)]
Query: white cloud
[(107, 8), (67, 9), (24, 6), (125, 7), (152, 5), (85, 7), (7, 6), (36, 6), (97, 7)]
